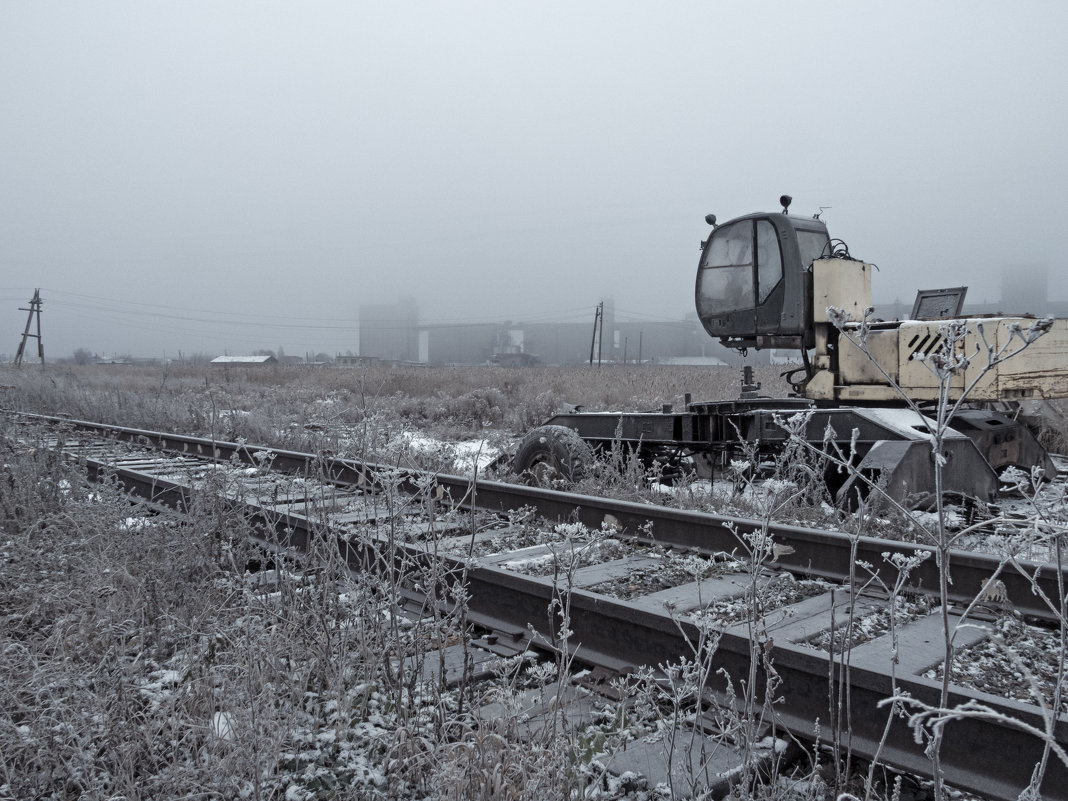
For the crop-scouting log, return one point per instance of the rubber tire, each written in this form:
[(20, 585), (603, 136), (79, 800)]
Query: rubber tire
[(550, 455)]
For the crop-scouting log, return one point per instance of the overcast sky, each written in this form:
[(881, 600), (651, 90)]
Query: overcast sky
[(226, 176)]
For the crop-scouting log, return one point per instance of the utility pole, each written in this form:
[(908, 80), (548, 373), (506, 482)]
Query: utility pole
[(35, 311), (598, 333)]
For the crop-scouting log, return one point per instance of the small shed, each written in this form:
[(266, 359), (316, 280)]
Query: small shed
[(247, 360)]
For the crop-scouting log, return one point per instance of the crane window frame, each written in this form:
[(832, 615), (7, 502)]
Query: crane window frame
[(742, 266)]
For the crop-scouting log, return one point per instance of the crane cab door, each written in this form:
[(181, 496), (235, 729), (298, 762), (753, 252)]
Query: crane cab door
[(752, 288)]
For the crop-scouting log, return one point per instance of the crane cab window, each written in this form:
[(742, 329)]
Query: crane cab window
[(769, 260), (742, 265)]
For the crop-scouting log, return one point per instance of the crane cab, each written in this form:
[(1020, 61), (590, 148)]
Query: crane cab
[(754, 280)]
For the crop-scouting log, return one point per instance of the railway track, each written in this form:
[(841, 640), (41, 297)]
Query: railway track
[(824, 640)]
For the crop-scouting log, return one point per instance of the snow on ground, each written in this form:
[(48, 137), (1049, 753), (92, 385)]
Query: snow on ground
[(1027, 518), (1016, 661), (464, 456), (1022, 519)]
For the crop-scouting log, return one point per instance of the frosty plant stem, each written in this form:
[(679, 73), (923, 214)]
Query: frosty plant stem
[(948, 362)]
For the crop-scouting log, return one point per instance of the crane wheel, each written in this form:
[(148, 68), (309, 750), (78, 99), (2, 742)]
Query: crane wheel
[(549, 455)]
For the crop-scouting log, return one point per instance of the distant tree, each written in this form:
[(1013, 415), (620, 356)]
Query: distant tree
[(83, 356)]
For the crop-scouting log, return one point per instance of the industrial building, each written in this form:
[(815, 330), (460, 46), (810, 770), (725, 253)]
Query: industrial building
[(392, 332)]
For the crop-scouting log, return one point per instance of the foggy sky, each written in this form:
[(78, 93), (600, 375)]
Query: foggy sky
[(203, 176)]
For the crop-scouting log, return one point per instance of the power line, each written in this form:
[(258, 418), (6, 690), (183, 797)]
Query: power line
[(267, 321), (644, 316), (215, 329), (141, 304)]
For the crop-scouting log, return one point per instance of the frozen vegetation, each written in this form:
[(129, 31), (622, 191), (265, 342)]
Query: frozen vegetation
[(140, 657)]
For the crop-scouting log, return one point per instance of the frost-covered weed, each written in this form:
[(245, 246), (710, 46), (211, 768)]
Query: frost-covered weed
[(165, 662), (139, 658), (183, 397)]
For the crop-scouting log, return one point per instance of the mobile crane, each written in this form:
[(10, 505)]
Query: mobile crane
[(774, 280)]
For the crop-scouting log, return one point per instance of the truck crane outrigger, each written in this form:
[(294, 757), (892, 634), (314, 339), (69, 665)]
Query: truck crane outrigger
[(773, 280)]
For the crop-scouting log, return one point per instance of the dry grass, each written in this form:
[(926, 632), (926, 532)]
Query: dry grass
[(138, 659), (151, 392), (300, 406), (141, 661)]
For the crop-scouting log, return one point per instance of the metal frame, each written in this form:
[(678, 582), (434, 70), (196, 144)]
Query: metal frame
[(938, 304)]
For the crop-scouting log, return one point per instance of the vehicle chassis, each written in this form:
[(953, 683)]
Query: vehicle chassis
[(857, 448)]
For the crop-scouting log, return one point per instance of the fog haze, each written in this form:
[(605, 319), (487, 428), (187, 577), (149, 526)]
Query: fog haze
[(224, 177)]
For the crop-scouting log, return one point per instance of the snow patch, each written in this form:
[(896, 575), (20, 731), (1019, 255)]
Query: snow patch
[(464, 456)]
